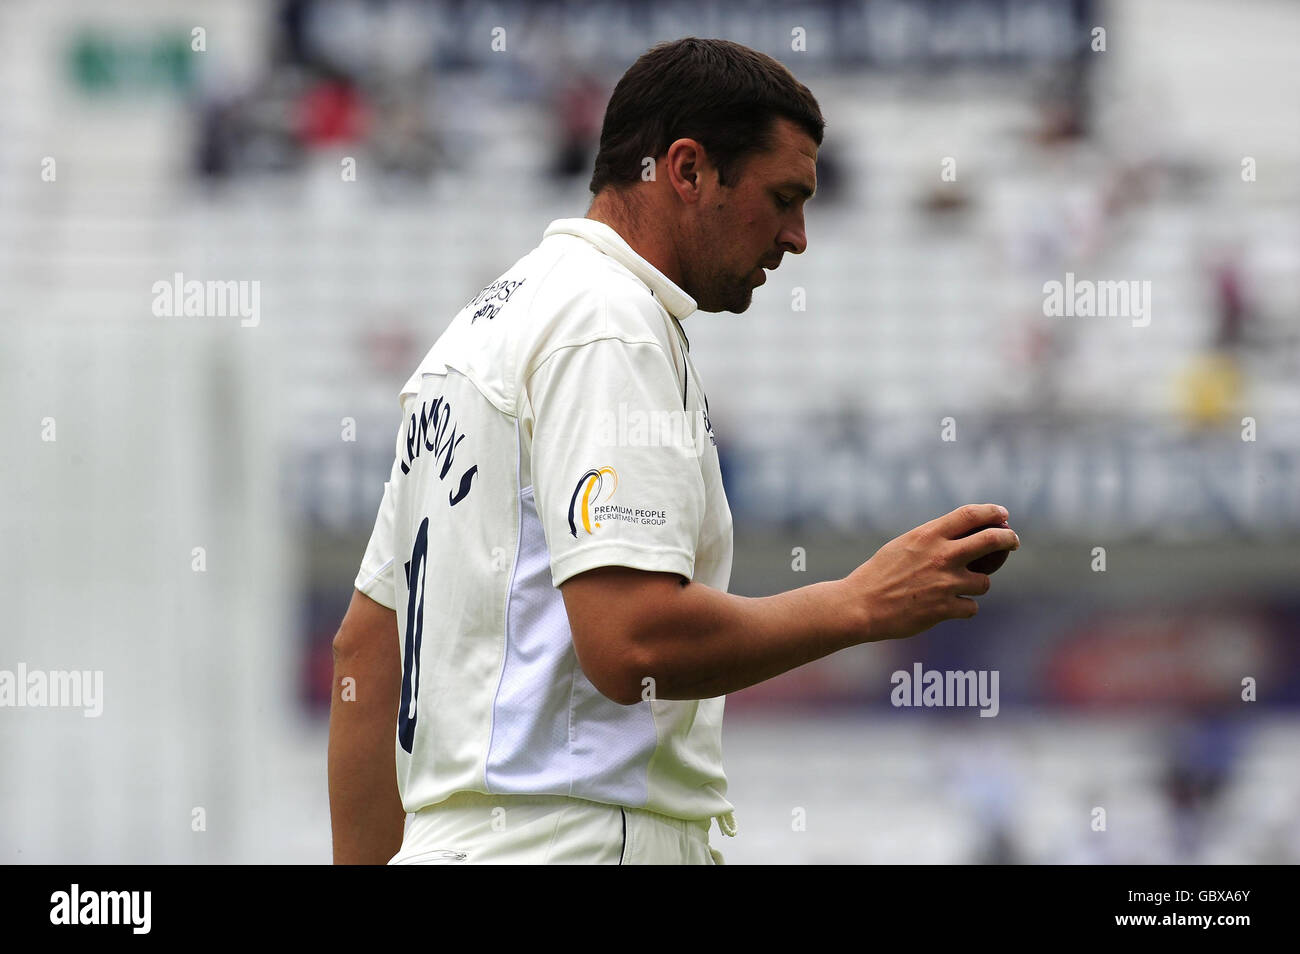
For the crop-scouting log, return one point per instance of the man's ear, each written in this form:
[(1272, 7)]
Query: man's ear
[(686, 161)]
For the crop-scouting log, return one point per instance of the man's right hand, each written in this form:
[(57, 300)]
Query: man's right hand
[(920, 579)]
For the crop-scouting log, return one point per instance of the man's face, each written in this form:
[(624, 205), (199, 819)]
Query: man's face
[(742, 228)]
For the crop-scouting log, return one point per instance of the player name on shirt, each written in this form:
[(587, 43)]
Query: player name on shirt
[(435, 422)]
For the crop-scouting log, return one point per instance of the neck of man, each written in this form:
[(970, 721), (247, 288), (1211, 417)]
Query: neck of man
[(631, 220)]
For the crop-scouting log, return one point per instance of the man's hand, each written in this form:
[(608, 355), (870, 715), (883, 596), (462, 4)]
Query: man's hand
[(365, 810), (920, 578)]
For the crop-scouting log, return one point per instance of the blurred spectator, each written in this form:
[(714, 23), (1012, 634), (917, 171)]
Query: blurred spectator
[(1231, 311), (330, 112), (579, 110), (289, 43), (216, 153), (1201, 762), (403, 140), (1064, 112), (989, 787), (1212, 384)]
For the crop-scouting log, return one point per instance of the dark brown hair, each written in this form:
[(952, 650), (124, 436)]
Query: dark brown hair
[(719, 93)]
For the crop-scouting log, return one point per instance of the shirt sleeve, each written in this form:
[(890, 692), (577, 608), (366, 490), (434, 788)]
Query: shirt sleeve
[(615, 460), (375, 577)]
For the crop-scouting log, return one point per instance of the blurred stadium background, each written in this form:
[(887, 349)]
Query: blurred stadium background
[(922, 300)]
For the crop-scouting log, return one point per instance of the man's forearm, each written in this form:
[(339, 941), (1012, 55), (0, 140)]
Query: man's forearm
[(696, 642), (366, 811), (707, 643)]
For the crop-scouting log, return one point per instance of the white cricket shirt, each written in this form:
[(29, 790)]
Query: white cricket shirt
[(556, 426)]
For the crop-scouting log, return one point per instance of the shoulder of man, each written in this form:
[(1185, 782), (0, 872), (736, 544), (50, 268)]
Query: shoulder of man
[(563, 294), (587, 296)]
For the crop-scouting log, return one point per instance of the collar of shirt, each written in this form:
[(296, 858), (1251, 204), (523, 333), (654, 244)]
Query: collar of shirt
[(677, 302)]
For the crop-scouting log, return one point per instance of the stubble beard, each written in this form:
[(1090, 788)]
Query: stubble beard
[(726, 292), (718, 289)]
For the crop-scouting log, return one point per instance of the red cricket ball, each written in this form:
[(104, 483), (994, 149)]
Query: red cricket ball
[(991, 562)]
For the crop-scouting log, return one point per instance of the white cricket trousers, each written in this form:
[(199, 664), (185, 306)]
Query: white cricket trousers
[(472, 828)]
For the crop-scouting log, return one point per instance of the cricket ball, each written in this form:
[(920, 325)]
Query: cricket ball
[(992, 562)]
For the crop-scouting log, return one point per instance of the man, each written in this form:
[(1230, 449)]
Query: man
[(543, 601)]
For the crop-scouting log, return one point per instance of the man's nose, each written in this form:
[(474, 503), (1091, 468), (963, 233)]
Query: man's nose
[(794, 238)]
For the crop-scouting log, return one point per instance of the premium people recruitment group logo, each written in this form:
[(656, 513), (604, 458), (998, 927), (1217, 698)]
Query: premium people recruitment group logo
[(590, 486)]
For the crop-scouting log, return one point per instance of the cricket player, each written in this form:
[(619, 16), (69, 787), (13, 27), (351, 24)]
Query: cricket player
[(533, 664)]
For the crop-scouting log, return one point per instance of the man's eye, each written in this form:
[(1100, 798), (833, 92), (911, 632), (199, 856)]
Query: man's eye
[(783, 202)]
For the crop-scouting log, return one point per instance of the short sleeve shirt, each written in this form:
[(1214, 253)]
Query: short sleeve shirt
[(558, 425)]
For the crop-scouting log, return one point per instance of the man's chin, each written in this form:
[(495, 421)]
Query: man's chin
[(737, 304)]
